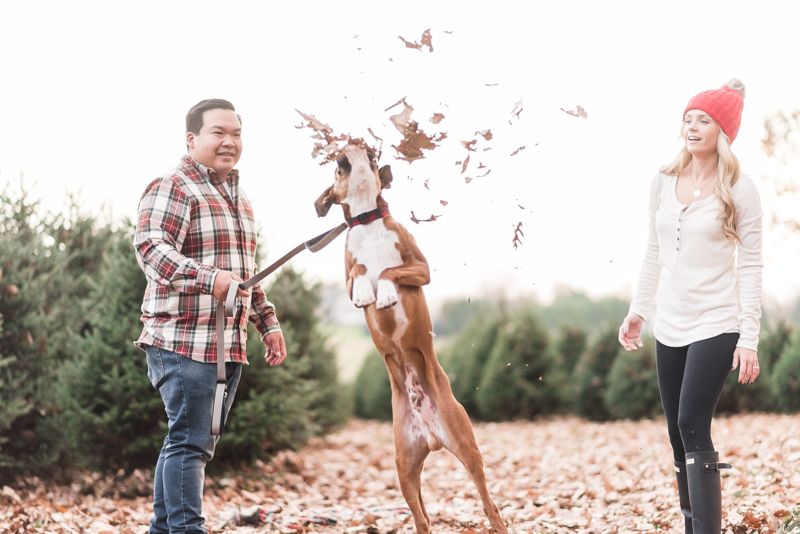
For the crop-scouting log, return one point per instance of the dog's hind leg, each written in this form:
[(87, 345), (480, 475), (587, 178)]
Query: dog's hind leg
[(410, 454), (410, 442), (461, 442)]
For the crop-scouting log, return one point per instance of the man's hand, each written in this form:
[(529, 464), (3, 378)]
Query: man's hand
[(222, 282), (276, 348)]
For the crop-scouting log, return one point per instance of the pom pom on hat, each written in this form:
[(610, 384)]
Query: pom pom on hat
[(724, 105)]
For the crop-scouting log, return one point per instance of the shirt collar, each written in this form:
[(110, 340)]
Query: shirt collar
[(209, 173)]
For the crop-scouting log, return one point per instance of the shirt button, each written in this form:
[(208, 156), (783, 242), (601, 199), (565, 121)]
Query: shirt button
[(679, 229), (679, 239), (678, 249)]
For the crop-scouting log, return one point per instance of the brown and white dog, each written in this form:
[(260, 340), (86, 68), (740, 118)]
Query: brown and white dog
[(385, 271)]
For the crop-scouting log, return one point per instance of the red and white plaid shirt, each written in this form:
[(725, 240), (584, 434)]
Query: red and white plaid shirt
[(189, 228)]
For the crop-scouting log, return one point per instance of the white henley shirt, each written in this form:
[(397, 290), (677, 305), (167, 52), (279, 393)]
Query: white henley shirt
[(707, 286)]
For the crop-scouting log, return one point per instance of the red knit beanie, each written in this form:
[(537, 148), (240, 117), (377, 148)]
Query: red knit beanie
[(724, 105)]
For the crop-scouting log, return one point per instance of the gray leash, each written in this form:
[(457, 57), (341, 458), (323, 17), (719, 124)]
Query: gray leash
[(226, 309)]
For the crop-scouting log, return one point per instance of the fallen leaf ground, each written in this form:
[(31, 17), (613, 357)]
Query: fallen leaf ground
[(556, 475)]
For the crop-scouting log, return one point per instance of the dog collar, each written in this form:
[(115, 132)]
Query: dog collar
[(367, 217)]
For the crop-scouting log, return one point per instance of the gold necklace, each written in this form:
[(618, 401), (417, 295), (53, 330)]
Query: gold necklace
[(697, 192)]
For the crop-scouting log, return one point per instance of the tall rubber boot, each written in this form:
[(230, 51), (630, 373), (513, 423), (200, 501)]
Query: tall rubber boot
[(683, 494), (705, 493)]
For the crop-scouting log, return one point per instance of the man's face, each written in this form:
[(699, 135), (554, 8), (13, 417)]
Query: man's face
[(219, 143)]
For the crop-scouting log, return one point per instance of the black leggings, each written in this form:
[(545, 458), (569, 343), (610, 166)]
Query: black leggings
[(690, 380)]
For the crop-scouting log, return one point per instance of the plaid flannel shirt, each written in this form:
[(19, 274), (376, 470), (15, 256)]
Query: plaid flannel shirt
[(189, 228)]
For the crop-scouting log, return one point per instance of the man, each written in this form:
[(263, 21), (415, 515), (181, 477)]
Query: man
[(195, 233)]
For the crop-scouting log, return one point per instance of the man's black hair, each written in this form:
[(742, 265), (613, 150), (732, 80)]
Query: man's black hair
[(194, 119)]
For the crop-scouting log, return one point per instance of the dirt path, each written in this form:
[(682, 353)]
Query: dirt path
[(559, 475)]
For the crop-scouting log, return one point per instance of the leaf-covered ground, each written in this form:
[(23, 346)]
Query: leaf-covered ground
[(558, 475)]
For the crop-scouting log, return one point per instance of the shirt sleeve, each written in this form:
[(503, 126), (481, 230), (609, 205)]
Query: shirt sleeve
[(262, 312), (749, 265), (650, 271), (161, 227)]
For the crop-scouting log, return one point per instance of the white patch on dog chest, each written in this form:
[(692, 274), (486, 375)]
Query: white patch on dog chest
[(375, 247)]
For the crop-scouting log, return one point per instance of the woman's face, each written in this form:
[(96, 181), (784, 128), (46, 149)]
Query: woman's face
[(700, 132)]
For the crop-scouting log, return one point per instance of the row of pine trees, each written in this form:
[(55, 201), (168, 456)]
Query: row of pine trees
[(510, 363), (74, 392)]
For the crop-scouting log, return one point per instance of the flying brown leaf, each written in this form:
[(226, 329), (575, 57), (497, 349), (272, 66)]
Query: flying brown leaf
[(516, 111), (330, 146), (429, 219), (464, 165), (487, 134), (426, 184), (443, 202), (437, 118), (427, 40), (380, 147), (517, 234), (409, 44), (401, 119), (517, 151), (414, 142), (580, 112), (315, 124), (469, 145), (467, 179)]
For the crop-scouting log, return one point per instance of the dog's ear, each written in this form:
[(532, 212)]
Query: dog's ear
[(385, 174), (324, 202)]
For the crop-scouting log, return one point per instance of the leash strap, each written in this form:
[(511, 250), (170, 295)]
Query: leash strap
[(226, 309)]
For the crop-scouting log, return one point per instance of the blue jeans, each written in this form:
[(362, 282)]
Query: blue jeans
[(187, 388)]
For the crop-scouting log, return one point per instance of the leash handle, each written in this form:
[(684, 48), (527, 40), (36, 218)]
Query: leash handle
[(221, 391)]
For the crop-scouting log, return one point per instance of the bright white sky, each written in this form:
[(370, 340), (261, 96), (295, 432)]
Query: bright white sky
[(95, 95)]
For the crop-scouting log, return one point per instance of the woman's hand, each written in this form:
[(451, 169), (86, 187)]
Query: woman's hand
[(630, 331), (749, 368)]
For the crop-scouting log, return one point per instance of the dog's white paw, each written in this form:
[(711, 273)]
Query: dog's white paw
[(363, 294), (387, 294)]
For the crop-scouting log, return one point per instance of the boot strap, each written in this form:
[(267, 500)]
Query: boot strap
[(714, 466)]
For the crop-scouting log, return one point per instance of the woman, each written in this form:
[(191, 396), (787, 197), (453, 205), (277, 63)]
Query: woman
[(704, 256)]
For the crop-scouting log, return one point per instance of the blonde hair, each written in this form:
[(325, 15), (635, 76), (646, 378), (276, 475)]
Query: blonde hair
[(727, 175)]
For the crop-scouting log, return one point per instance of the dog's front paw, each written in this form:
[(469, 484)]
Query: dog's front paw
[(387, 294), (363, 294)]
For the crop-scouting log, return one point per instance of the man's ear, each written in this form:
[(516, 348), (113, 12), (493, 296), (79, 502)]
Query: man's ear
[(385, 175), (190, 140), (325, 201)]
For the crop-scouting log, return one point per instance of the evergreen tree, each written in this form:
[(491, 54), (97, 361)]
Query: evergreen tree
[(40, 304), (633, 384), (519, 379), (372, 392), (758, 396), (465, 359), (113, 415), (590, 378), (569, 347), (786, 377)]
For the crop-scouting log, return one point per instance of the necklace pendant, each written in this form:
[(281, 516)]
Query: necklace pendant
[(697, 192)]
